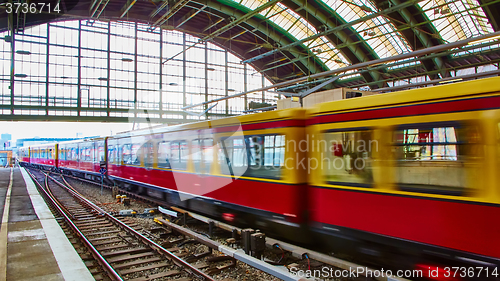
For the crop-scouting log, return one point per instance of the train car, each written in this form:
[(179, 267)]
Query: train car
[(83, 157), (24, 155), (43, 156), (235, 168), (409, 177)]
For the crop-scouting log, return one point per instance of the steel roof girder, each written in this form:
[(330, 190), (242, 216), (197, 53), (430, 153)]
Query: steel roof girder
[(339, 27), (256, 25), (358, 51), (437, 62), (492, 13)]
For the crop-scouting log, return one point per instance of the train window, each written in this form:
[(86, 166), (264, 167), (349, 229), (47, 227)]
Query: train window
[(126, 154), (179, 155), (43, 153), (232, 156), (261, 156), (88, 154), (111, 154), (347, 157), (100, 151), (148, 153), (163, 154), (202, 155), (74, 153), (434, 158)]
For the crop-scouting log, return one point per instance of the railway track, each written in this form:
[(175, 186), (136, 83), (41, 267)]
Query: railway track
[(120, 251), (289, 255), (282, 253)]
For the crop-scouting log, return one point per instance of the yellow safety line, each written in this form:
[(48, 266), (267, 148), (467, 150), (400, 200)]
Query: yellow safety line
[(3, 230)]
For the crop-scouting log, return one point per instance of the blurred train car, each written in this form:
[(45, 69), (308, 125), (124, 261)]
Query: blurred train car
[(409, 177), (24, 155), (43, 156), (233, 168), (83, 157)]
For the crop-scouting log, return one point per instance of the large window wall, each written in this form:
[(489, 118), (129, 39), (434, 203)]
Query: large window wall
[(119, 70)]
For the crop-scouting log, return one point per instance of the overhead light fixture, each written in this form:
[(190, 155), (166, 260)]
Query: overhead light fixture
[(483, 40), (102, 79), (210, 69), (64, 77), (173, 84), (445, 11), (127, 59), (450, 81), (21, 52), (369, 33), (20, 75)]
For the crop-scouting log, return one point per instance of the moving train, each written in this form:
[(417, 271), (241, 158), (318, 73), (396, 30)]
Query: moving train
[(409, 178)]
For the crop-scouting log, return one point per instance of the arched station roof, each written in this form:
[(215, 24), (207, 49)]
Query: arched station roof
[(288, 39)]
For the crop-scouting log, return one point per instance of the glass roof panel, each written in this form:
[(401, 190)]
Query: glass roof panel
[(456, 20), (300, 28), (378, 32)]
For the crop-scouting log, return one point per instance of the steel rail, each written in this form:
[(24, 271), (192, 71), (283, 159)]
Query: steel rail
[(95, 253), (178, 261), (237, 254), (296, 251)]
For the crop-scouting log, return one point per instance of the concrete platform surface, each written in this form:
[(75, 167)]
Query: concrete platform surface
[(32, 244)]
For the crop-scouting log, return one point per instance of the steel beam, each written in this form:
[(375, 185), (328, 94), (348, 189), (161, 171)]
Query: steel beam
[(171, 12), (424, 40), (439, 81), (188, 16), (127, 7), (325, 16), (421, 52), (334, 29)]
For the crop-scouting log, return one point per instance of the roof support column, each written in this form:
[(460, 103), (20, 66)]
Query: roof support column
[(47, 71), (245, 97), (434, 63), (79, 79), (184, 72), (108, 104), (12, 59), (160, 65), (226, 81), (135, 71), (206, 78)]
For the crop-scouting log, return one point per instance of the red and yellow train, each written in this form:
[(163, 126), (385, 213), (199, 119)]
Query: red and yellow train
[(410, 178)]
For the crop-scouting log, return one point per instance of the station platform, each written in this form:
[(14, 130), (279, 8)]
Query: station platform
[(32, 244)]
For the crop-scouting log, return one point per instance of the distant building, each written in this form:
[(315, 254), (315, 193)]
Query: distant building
[(5, 141), (6, 137)]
